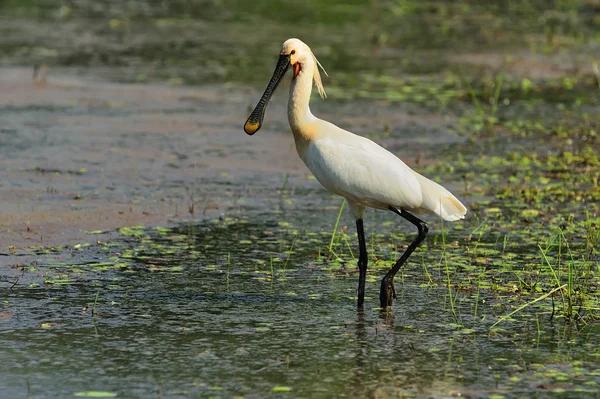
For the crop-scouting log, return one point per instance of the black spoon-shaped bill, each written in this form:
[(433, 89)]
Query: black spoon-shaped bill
[(254, 122)]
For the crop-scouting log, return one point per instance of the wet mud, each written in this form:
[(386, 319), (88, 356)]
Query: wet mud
[(84, 155)]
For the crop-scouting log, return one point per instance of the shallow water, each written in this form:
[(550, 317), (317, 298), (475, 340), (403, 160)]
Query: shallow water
[(246, 292), (198, 311)]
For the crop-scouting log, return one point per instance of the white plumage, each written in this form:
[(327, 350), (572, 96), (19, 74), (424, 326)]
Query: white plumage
[(363, 172), (367, 174)]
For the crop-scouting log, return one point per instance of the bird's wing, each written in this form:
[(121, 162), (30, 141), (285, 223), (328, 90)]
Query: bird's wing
[(363, 171)]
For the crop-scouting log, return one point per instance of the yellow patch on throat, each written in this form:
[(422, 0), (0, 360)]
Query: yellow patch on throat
[(297, 68)]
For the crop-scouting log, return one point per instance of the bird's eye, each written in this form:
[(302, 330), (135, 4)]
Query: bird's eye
[(293, 52)]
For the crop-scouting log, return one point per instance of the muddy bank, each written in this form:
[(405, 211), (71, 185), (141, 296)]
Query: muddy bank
[(80, 154)]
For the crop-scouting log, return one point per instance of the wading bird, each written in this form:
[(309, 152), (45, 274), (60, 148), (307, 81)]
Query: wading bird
[(352, 166)]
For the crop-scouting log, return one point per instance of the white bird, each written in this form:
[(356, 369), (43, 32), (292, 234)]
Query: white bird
[(356, 168)]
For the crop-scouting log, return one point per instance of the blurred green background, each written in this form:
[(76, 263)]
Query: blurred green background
[(200, 41)]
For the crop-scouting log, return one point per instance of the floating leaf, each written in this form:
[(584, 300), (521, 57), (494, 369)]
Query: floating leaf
[(530, 213), (493, 210), (281, 389), (96, 394)]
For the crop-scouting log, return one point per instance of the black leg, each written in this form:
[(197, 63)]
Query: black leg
[(362, 262), (387, 284)]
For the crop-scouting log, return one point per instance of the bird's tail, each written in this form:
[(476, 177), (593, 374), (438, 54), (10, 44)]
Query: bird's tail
[(440, 201)]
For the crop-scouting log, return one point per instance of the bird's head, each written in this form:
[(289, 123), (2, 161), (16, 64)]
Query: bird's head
[(298, 55), (303, 59)]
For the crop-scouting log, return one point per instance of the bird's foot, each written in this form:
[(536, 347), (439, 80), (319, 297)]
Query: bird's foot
[(387, 293)]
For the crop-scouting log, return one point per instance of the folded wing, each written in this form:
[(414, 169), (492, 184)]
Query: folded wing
[(367, 174)]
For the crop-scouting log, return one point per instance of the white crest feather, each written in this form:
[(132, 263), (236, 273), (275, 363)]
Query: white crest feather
[(317, 77)]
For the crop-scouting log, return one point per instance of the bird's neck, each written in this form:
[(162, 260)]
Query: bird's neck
[(298, 110)]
